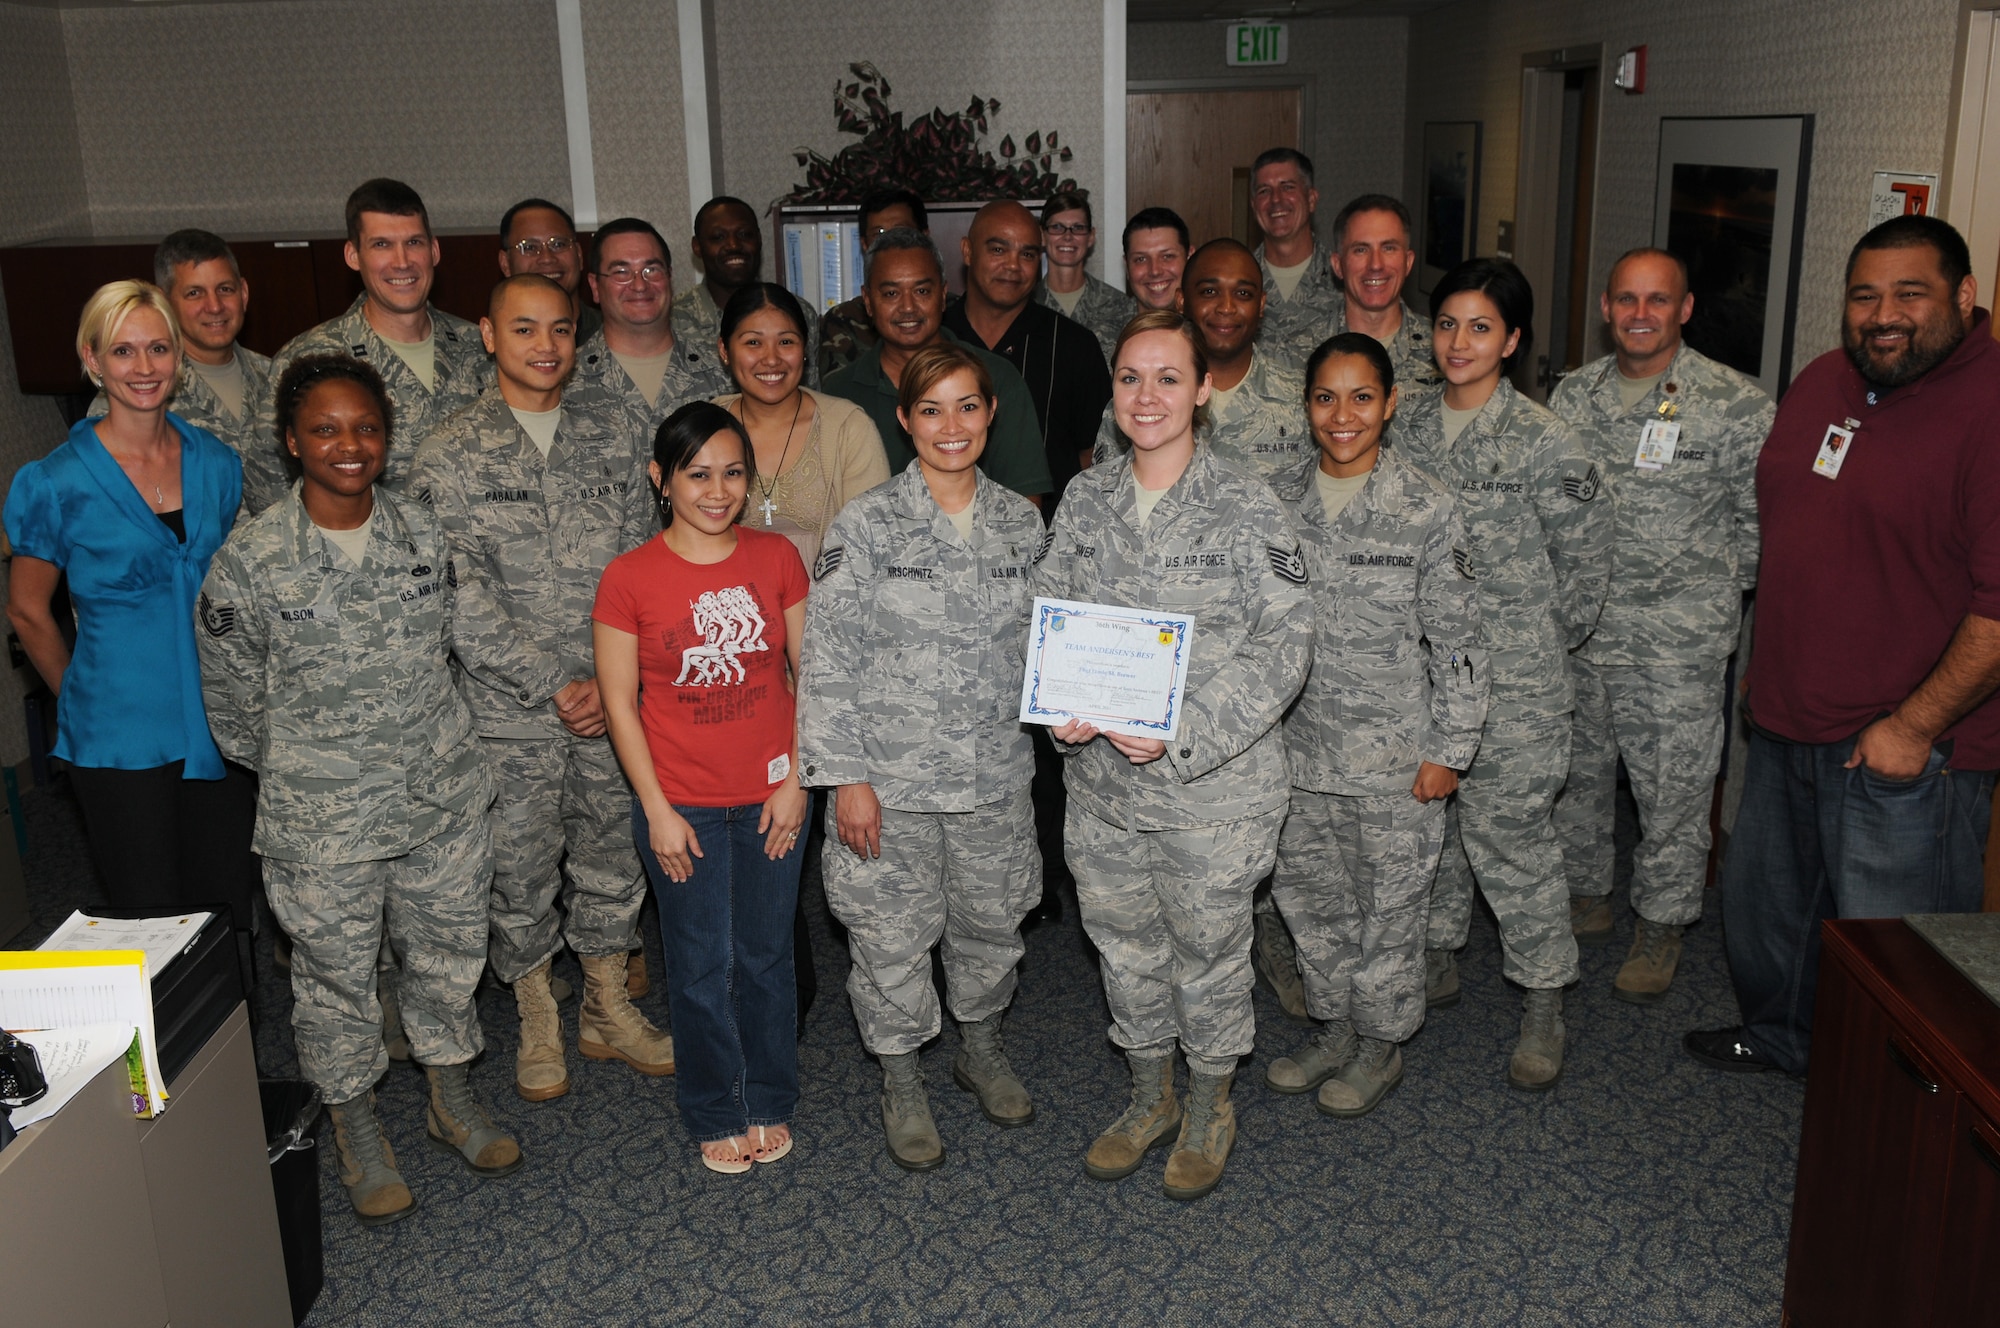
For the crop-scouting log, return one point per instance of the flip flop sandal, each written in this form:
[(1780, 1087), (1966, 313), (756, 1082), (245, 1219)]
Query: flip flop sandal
[(759, 1154), (724, 1166)]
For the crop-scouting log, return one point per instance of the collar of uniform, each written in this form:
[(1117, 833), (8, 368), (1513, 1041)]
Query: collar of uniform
[(1196, 484), (309, 546), (1382, 493), (496, 428), (1317, 265), (1605, 390), (1488, 418)]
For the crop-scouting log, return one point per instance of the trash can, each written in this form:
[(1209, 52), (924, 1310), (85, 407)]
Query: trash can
[(291, 1113)]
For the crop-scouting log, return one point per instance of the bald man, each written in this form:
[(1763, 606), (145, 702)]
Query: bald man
[(1676, 437), (539, 484), (1058, 357)]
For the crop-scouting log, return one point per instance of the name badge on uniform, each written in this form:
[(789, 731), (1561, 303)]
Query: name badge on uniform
[(1656, 444), (1833, 451)]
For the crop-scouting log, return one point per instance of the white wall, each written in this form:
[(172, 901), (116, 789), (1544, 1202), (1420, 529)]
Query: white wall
[(1876, 75)]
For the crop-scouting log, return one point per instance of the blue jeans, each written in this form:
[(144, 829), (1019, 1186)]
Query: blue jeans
[(727, 935), (1814, 841)]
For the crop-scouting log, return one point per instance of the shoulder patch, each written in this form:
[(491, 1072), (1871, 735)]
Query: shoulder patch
[(1042, 549), (1463, 562), (451, 573), (422, 495), (1583, 490), (218, 620), (1288, 563), (829, 561)]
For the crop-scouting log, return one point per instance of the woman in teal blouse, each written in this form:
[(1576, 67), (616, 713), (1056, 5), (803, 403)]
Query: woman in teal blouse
[(131, 507)]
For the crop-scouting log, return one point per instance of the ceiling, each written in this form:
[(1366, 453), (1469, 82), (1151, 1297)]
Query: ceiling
[(1182, 11)]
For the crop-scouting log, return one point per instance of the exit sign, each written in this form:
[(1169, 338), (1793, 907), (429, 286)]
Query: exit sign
[(1256, 44)]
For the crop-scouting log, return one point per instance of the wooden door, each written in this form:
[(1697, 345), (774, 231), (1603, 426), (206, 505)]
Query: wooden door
[(1184, 148)]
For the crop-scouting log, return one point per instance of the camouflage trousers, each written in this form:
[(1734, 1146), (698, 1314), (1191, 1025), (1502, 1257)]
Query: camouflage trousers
[(432, 903), (1169, 913), (1667, 725), (562, 823), (1498, 832), (1354, 883), (962, 880)]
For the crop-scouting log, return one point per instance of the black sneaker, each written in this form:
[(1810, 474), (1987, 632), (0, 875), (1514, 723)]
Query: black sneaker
[(1725, 1049)]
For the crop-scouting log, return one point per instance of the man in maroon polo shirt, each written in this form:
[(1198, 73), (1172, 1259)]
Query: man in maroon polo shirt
[(1875, 733)]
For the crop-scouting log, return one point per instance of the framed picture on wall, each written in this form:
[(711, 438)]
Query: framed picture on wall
[(1730, 202), (1450, 217)]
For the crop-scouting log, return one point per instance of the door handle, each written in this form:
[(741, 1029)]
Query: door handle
[(1909, 1067)]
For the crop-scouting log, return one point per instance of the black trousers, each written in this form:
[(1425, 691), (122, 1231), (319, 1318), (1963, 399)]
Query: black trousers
[(161, 841)]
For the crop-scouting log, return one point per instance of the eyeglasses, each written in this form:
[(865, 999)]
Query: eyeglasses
[(624, 274), (1079, 229), (555, 244)]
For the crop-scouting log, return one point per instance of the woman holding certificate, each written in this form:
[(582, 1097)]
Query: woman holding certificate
[(907, 710), (1389, 716), (1168, 839), (1540, 545)]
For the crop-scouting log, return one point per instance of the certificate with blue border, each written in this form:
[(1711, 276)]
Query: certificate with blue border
[(1120, 670)]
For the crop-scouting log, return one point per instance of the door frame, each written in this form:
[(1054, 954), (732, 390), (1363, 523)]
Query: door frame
[(1971, 198), (1537, 173), (1287, 82)]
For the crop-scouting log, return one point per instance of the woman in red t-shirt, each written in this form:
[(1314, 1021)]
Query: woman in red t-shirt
[(697, 640)]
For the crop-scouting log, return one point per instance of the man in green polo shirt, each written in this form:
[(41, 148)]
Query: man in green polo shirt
[(904, 293)]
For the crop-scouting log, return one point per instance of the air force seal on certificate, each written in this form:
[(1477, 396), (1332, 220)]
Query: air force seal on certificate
[(1119, 670)]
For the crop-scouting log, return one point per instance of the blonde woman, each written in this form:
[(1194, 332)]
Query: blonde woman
[(131, 507)]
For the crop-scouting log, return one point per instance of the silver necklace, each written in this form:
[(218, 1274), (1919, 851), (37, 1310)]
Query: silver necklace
[(767, 507)]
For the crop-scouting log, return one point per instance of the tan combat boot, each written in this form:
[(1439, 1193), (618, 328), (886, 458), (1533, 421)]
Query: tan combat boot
[(1590, 919), (368, 1164), (907, 1122), (1147, 1123), (458, 1124), (1441, 990), (610, 1028), (1208, 1132), (540, 1072), (982, 1068), (1649, 969), (1538, 1057), (637, 983)]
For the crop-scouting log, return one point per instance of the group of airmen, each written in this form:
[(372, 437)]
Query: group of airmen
[(1581, 596)]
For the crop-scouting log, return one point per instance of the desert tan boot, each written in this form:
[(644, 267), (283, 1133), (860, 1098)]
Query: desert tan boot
[(610, 1027), (540, 1070)]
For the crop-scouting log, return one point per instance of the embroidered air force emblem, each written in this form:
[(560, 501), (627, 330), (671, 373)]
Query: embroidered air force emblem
[(1583, 490), (1042, 549), (1463, 562), (829, 561)]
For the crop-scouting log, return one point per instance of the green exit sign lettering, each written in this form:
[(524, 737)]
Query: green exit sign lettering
[(1257, 44)]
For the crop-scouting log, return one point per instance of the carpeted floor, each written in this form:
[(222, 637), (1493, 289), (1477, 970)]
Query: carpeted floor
[(1643, 1191)]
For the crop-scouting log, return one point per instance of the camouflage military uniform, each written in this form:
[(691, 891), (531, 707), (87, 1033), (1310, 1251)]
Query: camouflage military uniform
[(1166, 854), (264, 477), (845, 331), (1102, 308), (1649, 679), (1396, 680), (910, 681), (463, 371), (1262, 429), (333, 683), (1410, 352), (1294, 327), (694, 373), (530, 536), (698, 323), (1540, 545)]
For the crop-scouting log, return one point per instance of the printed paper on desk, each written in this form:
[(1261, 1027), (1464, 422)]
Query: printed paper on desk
[(70, 989), (1120, 670), (163, 939)]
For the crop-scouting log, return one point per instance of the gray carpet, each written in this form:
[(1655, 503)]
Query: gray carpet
[(1644, 1190)]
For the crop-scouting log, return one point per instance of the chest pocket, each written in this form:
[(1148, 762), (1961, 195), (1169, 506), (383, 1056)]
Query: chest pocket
[(1193, 574)]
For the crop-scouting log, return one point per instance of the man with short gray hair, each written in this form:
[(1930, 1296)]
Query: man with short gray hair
[(1301, 294), (223, 383)]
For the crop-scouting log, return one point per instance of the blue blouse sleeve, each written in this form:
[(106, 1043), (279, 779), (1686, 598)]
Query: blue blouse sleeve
[(34, 517)]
